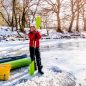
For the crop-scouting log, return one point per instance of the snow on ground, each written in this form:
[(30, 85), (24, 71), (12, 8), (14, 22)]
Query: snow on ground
[(51, 79), (68, 55), (7, 35), (68, 59), (63, 55)]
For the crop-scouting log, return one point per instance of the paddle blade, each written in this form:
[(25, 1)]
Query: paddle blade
[(32, 68), (38, 22)]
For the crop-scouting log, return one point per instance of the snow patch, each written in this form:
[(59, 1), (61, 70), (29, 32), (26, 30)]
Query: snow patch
[(51, 79)]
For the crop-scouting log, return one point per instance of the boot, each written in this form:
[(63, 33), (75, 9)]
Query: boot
[(39, 66), (40, 70)]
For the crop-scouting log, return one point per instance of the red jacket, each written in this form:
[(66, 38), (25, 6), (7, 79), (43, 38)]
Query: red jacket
[(34, 39)]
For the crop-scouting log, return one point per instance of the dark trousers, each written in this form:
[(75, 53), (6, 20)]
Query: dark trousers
[(35, 55)]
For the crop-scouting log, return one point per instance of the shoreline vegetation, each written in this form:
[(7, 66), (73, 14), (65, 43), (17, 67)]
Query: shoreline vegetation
[(8, 35)]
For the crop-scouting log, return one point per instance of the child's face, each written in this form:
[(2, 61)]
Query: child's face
[(32, 28)]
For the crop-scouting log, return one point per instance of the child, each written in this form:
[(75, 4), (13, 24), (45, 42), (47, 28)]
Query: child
[(34, 45)]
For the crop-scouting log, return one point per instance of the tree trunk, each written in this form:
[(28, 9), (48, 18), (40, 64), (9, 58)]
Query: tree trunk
[(15, 17), (71, 24), (77, 21), (12, 24), (58, 17), (59, 24), (84, 18), (72, 18), (84, 24), (23, 21)]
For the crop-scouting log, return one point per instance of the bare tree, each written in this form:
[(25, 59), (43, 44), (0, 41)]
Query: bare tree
[(5, 12), (58, 16), (20, 15), (83, 14), (55, 7), (78, 14), (76, 6), (72, 15)]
